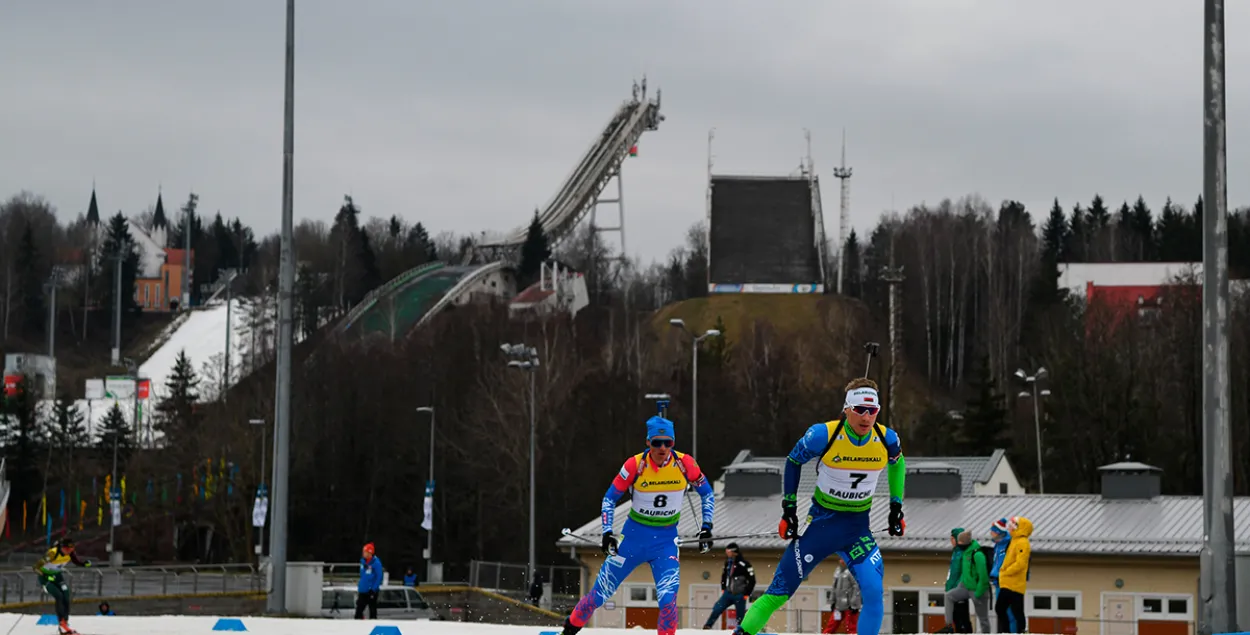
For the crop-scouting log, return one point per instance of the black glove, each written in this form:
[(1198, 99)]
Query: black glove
[(609, 544), (897, 524), (788, 528), (705, 538)]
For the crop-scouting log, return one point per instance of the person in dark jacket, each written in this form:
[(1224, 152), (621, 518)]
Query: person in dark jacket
[(370, 583), (536, 590), (104, 609), (737, 581)]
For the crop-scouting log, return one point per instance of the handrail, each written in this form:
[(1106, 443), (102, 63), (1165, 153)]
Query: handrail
[(456, 289), (377, 293), (139, 581)]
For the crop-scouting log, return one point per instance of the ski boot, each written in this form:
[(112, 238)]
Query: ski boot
[(569, 629), (65, 629)]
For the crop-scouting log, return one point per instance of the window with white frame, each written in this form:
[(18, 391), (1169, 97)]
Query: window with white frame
[(930, 600), (640, 595), (1053, 603), (1165, 607)]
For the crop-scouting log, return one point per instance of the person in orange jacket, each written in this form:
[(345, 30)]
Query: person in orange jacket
[(1013, 577)]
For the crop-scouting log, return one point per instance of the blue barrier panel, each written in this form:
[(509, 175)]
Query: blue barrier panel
[(385, 630), (229, 624), (47, 620)]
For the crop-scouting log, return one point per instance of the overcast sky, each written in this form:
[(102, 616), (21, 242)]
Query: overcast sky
[(466, 115)]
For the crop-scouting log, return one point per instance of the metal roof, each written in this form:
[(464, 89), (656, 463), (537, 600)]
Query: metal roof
[(973, 470), (1063, 523)]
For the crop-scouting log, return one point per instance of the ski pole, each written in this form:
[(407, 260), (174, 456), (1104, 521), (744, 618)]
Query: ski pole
[(690, 541), (568, 532)]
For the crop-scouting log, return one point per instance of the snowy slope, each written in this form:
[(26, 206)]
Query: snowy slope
[(203, 337), (16, 624)]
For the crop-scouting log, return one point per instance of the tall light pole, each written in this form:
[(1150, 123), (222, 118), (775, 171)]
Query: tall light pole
[(227, 276), (1217, 579), (526, 358), (694, 372), (1032, 381), (429, 533), (280, 495), (261, 491)]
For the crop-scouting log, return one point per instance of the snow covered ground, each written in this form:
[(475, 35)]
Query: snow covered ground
[(15, 624)]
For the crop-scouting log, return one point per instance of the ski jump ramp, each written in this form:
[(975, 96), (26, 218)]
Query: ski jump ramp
[(414, 297)]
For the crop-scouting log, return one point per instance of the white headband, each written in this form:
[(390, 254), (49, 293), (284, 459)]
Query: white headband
[(862, 397)]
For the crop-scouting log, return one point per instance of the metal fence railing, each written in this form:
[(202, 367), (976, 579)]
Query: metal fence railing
[(124, 582), (507, 577)]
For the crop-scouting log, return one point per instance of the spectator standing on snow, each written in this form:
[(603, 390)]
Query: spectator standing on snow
[(370, 583)]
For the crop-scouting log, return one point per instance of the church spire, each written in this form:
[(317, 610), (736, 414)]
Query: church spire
[(93, 210)]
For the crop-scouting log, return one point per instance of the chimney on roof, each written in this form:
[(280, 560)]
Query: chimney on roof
[(934, 481), (752, 479), (1131, 481)]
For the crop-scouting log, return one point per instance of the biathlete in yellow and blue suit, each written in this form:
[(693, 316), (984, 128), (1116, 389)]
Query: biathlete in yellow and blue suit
[(657, 479), (51, 570), (853, 452)]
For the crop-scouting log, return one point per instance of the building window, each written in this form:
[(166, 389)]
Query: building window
[(160, 299), (1002, 488), (1053, 603), (640, 595), (1165, 607)]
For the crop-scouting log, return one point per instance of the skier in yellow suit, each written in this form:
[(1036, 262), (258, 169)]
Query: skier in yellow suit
[(52, 575)]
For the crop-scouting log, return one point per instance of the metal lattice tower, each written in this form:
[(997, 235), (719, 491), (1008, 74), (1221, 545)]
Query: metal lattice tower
[(844, 218)]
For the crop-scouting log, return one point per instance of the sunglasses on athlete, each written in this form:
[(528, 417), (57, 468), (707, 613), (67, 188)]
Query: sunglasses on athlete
[(661, 443), (865, 410)]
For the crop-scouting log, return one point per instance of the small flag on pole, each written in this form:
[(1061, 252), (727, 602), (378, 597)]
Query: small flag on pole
[(428, 522)]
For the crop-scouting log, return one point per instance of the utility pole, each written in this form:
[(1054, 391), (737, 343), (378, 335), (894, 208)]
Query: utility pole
[(280, 495), (526, 358), (694, 373), (53, 282), (429, 533), (1036, 395), (843, 173), (1218, 580), (118, 258), (893, 276), (227, 276)]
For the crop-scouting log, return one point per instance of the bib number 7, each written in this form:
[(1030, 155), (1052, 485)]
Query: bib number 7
[(856, 479)]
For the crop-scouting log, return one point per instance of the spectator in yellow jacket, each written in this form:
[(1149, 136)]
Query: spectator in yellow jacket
[(1013, 577)]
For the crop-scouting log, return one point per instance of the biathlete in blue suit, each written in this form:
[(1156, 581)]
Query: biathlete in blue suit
[(852, 452), (657, 479)]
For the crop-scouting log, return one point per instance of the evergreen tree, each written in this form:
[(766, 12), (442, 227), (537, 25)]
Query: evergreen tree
[(534, 252), (21, 448), (1170, 233), (68, 430), (853, 277), (115, 427), (1078, 235), (718, 349), (984, 426), (1055, 245), (175, 415), (1141, 224), (29, 272), (245, 242), (308, 301), (394, 228), (224, 248), (118, 240), (420, 249)]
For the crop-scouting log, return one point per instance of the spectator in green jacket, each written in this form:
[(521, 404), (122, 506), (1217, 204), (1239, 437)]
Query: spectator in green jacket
[(973, 583)]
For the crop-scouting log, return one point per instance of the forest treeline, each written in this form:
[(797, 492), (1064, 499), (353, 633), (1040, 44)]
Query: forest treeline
[(980, 299)]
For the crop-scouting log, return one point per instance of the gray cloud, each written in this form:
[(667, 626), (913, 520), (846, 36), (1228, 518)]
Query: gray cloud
[(465, 115)]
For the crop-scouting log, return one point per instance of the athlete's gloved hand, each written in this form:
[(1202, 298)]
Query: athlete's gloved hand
[(609, 544), (897, 524), (705, 538), (788, 528)]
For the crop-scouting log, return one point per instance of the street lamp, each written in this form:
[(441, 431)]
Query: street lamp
[(526, 358), (1032, 381), (694, 372), (429, 533), (261, 491)]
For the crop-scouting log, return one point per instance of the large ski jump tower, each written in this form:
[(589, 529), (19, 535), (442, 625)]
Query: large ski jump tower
[(844, 218)]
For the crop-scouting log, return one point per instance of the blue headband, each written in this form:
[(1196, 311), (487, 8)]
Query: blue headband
[(659, 427)]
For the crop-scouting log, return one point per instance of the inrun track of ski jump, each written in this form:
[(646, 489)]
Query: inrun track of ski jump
[(396, 309)]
